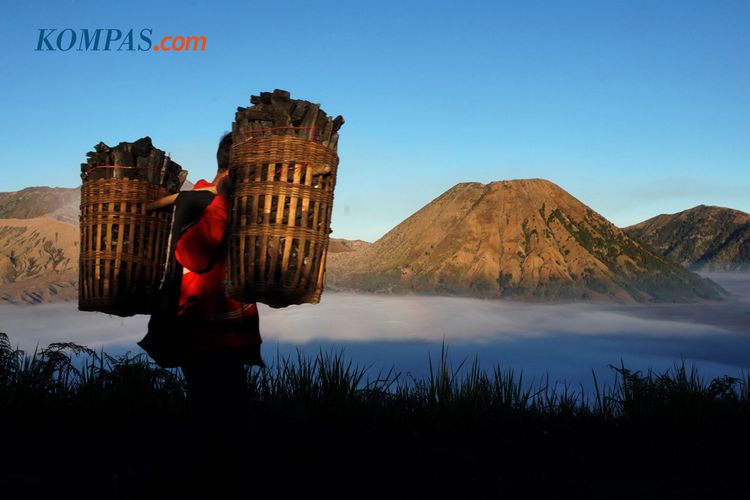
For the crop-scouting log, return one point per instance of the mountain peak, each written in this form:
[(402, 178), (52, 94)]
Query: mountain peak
[(522, 238), (534, 181), (518, 183)]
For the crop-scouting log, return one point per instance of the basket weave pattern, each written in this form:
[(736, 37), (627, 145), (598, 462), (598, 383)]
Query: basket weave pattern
[(280, 218), (122, 246)]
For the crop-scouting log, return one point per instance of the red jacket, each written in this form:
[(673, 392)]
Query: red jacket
[(227, 324)]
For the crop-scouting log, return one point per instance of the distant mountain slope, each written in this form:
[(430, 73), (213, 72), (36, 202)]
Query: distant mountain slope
[(38, 260), (706, 238), (37, 201), (337, 245), (526, 239)]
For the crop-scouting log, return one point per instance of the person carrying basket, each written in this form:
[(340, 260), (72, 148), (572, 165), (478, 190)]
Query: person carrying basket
[(197, 327)]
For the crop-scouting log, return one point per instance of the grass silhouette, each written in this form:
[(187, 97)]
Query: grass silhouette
[(330, 426)]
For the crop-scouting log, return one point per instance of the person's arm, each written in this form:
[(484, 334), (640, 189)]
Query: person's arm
[(168, 200), (196, 247)]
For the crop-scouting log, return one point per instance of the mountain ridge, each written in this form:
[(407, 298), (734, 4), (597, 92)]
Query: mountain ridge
[(701, 238), (37, 201), (524, 239)]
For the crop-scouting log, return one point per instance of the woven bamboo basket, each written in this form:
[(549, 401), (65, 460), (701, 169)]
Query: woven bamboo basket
[(280, 218), (122, 247)]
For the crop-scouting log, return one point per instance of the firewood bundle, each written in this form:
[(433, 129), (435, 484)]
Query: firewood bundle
[(134, 160), (275, 113)]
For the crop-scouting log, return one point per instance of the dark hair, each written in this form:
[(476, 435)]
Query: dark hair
[(222, 154)]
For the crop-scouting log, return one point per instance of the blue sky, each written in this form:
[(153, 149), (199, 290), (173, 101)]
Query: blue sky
[(635, 107)]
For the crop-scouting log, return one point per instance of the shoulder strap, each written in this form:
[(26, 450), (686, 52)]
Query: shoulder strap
[(186, 211)]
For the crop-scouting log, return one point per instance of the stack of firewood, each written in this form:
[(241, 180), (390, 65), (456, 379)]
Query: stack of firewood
[(274, 113), (141, 161)]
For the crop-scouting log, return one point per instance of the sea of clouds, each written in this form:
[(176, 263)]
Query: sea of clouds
[(564, 341)]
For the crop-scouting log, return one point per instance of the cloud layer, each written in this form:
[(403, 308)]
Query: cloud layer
[(566, 340)]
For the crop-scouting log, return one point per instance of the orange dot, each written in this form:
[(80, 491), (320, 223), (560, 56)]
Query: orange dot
[(156, 47)]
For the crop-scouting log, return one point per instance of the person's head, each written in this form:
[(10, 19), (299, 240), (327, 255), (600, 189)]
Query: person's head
[(222, 154)]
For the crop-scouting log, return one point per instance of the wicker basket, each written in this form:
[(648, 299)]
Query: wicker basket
[(122, 247), (280, 218)]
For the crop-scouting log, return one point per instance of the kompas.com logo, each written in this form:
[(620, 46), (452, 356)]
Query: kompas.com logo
[(114, 40)]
